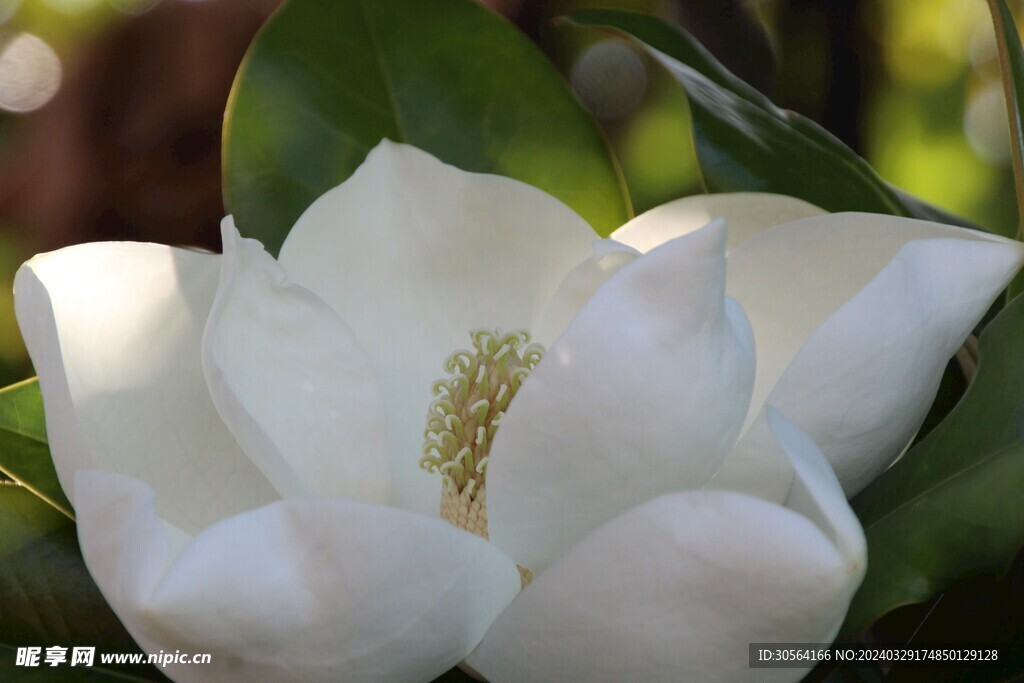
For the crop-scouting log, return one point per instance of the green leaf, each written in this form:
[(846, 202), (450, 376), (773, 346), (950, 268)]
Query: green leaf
[(324, 82), (950, 508), (1011, 61), (46, 594), (21, 410), (24, 453), (745, 143)]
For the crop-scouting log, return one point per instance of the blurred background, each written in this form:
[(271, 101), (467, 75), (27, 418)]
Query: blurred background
[(110, 110)]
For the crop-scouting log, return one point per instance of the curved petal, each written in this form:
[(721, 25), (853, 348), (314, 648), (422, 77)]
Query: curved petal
[(856, 316), (413, 254), (300, 590), (746, 214), (579, 285), (291, 382), (817, 495), (756, 465), (676, 589), (114, 333), (643, 394)]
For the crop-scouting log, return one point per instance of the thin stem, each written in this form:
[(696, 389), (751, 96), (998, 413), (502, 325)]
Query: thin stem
[(967, 358), (1010, 65)]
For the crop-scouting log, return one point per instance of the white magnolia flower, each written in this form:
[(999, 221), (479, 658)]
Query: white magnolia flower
[(243, 447)]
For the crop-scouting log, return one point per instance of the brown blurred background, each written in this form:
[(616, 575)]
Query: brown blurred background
[(110, 110)]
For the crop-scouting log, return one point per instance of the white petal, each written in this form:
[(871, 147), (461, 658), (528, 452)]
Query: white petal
[(643, 394), (756, 466), (413, 254), (856, 316), (676, 589), (114, 333), (300, 590), (291, 382), (818, 496), (579, 285), (746, 214)]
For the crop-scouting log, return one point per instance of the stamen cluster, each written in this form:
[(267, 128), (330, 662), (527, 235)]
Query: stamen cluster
[(466, 414)]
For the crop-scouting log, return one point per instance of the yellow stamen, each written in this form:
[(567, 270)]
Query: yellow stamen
[(463, 419)]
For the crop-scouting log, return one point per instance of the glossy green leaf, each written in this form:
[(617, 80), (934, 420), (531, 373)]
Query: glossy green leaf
[(324, 82), (746, 143), (950, 508), (24, 453), (46, 594)]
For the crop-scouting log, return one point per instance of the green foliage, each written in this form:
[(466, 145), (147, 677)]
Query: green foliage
[(323, 83), (24, 453), (950, 508), (46, 594), (746, 143)]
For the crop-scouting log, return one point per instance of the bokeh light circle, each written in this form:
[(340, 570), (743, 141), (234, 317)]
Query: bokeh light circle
[(30, 72), (610, 78)]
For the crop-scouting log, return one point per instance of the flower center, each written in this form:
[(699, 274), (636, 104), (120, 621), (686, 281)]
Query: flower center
[(463, 419)]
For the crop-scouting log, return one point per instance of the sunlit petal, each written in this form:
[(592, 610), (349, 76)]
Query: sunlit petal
[(114, 333), (747, 214)]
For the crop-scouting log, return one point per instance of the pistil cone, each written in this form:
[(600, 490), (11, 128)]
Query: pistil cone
[(469, 513)]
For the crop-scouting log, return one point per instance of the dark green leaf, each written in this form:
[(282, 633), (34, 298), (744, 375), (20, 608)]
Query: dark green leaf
[(455, 676), (46, 594), (950, 509), (24, 454), (745, 143), (324, 82)]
